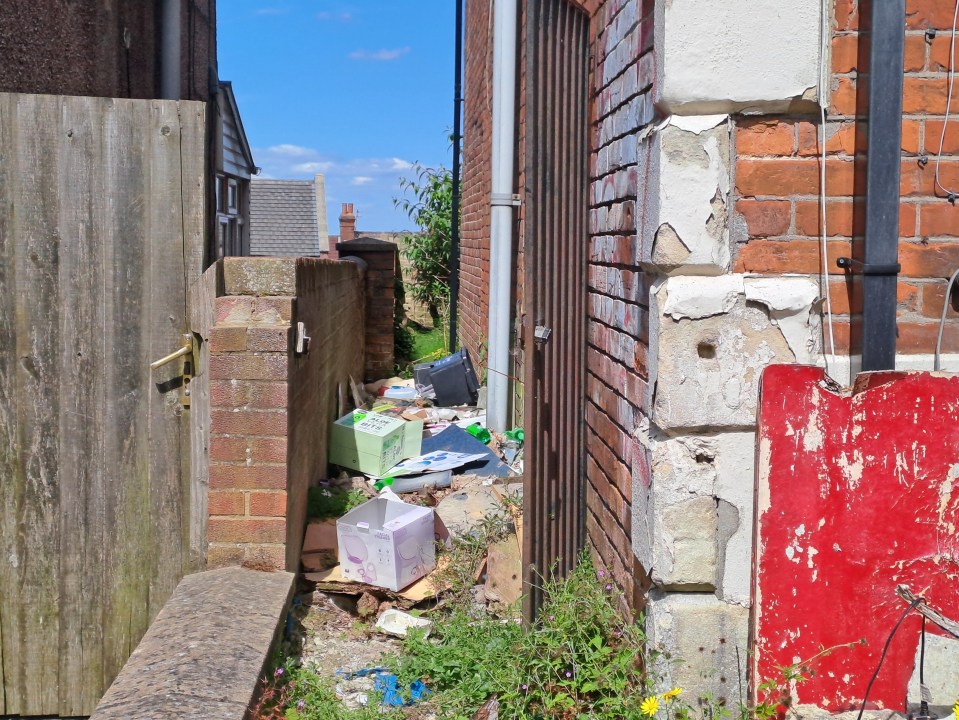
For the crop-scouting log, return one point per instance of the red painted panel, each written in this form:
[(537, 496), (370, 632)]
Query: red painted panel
[(856, 492)]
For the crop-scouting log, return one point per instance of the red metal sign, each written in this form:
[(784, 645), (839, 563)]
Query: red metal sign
[(856, 493)]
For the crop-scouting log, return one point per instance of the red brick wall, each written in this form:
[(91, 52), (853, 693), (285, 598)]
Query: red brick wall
[(475, 186), (777, 182), (270, 408), (622, 77)]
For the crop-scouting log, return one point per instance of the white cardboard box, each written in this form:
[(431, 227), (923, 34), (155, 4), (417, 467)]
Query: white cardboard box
[(386, 543)]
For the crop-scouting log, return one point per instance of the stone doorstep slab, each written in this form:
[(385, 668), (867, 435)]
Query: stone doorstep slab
[(204, 654)]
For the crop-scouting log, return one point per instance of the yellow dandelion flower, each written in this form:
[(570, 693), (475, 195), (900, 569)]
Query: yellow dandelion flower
[(649, 706), (672, 694), (955, 710)]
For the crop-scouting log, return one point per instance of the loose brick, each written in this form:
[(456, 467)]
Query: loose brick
[(775, 257), (780, 177), (250, 394), (228, 339), (247, 477), (246, 530), (228, 449), (847, 14), (219, 555), (249, 366), (765, 137), (939, 218), (950, 143), (269, 339), (933, 297), (845, 50), (846, 218), (922, 14), (765, 218), (248, 422), (226, 503), (268, 504), (935, 260), (844, 97), (915, 337)]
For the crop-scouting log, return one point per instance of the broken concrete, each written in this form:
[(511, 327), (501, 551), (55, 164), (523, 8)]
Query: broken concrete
[(708, 635), (941, 675), (712, 337), (685, 218), (693, 524)]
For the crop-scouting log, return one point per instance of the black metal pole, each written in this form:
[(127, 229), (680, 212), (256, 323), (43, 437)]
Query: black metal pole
[(457, 141), (880, 263)]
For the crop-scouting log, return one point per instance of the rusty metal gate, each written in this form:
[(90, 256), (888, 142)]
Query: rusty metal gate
[(556, 237)]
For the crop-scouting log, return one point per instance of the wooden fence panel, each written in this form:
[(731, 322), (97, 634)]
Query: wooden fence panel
[(101, 235)]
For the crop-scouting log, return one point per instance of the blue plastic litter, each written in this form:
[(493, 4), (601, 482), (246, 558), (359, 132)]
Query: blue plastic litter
[(387, 684)]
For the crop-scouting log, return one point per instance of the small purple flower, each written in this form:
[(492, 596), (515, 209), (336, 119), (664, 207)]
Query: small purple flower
[(524, 686), (552, 617), (300, 705), (601, 573), (569, 674), (278, 673)]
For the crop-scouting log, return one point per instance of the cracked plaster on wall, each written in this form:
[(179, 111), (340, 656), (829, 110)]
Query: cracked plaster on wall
[(712, 337), (706, 480), (685, 218)]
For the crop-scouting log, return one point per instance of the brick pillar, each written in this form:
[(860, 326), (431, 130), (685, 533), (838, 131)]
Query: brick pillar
[(250, 354), (382, 266), (347, 223)]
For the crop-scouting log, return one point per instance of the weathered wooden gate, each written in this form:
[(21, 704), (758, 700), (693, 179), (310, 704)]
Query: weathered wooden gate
[(101, 235), (556, 237)]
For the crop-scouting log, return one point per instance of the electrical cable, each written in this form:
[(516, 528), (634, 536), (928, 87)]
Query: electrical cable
[(823, 41), (885, 649), (951, 195), (942, 322)]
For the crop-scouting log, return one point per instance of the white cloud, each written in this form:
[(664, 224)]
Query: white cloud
[(337, 16), (400, 164), (313, 167), (384, 55), (291, 150), (361, 180)]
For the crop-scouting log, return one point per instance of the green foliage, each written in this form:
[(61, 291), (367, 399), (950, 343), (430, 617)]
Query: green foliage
[(579, 660), (297, 693), (332, 502), (428, 202), (403, 341)]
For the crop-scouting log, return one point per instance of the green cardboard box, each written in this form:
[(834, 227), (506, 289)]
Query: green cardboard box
[(373, 443)]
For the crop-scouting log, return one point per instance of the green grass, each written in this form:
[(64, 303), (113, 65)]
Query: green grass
[(428, 343), (331, 502)]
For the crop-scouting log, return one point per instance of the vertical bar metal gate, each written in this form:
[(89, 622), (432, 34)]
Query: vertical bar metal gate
[(556, 238)]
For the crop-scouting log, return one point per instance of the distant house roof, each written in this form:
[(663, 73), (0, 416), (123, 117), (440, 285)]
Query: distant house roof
[(283, 218), (236, 157)]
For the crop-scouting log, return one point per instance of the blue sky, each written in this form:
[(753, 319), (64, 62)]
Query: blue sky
[(357, 90)]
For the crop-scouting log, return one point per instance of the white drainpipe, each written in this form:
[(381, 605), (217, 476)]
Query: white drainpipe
[(501, 212)]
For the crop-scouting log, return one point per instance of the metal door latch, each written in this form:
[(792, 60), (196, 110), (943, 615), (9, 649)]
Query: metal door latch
[(185, 352), (541, 334)]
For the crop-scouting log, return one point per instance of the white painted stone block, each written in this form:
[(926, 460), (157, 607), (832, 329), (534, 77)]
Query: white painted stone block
[(693, 523), (707, 640), (711, 338), (760, 56), (685, 162)]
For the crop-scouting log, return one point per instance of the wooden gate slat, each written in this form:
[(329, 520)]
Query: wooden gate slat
[(83, 198), (36, 491), (8, 417)]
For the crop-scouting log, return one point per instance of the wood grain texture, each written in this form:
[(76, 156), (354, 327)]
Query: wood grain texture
[(101, 234)]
